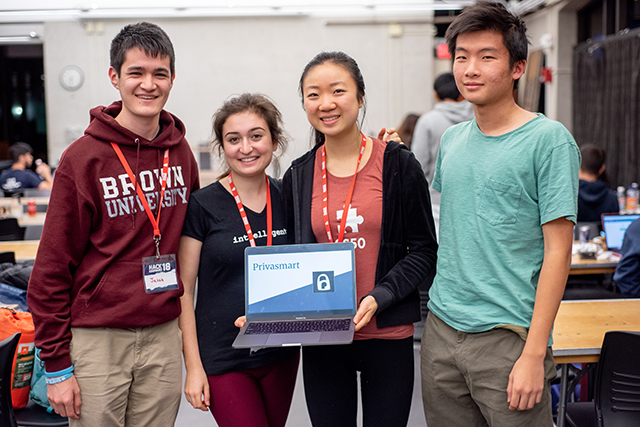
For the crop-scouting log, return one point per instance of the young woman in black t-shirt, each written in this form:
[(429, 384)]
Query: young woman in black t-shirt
[(240, 388)]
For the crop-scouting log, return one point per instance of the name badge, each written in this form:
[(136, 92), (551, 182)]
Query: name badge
[(159, 273)]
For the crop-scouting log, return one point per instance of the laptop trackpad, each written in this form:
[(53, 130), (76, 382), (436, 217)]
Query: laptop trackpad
[(306, 337)]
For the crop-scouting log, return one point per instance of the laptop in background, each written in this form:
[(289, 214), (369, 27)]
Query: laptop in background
[(614, 227), (299, 295)]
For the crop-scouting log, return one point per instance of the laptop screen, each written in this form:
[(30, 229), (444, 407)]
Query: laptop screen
[(300, 280), (614, 227)]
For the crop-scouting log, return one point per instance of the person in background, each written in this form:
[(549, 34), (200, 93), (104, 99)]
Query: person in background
[(240, 388), (595, 197), (20, 175), (509, 184), (377, 198), (627, 275), (405, 130), (104, 291), (451, 109)]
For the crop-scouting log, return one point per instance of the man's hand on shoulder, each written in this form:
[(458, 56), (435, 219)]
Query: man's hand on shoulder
[(391, 134), (64, 398), (526, 383)]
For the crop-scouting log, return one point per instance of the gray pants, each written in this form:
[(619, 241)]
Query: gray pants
[(465, 378)]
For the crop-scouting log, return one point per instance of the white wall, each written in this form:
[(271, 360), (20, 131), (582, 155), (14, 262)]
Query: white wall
[(216, 58)]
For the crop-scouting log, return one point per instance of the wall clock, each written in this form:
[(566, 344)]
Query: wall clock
[(71, 77)]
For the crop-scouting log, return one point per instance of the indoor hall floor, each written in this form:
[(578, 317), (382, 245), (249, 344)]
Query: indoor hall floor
[(298, 417)]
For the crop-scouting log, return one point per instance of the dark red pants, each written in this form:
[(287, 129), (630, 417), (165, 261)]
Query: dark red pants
[(258, 397)]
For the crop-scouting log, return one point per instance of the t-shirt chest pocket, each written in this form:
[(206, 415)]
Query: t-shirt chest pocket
[(499, 202)]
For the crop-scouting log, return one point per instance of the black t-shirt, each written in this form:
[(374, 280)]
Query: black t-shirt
[(213, 218)]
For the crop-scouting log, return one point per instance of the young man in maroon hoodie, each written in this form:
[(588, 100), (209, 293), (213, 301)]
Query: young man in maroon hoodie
[(104, 292)]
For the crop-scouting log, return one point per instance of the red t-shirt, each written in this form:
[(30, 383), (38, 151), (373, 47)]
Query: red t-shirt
[(363, 226)]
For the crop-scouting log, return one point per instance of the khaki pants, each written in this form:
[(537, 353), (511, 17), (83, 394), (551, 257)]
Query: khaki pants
[(128, 377), (465, 377)]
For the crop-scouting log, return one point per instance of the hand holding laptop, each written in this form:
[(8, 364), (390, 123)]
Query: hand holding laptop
[(366, 310), (240, 321), (300, 295)]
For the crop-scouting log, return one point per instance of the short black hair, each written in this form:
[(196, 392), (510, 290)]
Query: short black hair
[(593, 157), (488, 16), (147, 37), (445, 87), (18, 149)]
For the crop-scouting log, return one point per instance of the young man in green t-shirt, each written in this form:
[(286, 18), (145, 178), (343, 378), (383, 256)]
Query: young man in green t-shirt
[(509, 185)]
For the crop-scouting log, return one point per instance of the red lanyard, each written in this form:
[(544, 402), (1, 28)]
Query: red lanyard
[(243, 214), (347, 203), (165, 169)]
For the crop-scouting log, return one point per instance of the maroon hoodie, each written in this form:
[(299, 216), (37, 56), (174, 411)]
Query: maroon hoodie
[(88, 270)]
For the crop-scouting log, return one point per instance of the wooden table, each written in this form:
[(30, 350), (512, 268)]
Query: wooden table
[(8, 201), (580, 327), (24, 249), (591, 266), (37, 219), (579, 331)]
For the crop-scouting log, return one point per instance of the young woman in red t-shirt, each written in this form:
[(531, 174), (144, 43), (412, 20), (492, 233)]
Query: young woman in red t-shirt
[(350, 187)]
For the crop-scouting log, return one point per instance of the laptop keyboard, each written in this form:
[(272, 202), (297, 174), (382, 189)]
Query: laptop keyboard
[(330, 325)]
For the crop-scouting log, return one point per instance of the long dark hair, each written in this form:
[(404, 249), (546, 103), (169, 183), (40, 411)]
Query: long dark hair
[(349, 64)]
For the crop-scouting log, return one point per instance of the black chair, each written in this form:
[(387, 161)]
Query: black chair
[(34, 192), (32, 415), (10, 230), (7, 257), (7, 351), (33, 232), (617, 387)]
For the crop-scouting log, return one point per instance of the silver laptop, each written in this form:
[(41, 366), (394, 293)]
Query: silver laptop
[(299, 295), (614, 227)]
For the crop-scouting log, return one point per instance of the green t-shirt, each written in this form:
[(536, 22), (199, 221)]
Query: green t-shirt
[(497, 191)]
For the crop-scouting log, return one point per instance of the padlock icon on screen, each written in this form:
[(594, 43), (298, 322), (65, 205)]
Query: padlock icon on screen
[(323, 281)]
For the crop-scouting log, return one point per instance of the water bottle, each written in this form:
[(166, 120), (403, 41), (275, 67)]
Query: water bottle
[(622, 199), (16, 207), (632, 198)]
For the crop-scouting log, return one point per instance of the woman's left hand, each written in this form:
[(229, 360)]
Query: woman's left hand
[(390, 134), (367, 309), (240, 321)]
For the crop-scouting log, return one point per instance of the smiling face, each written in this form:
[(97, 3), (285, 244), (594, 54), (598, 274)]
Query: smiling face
[(144, 84), (247, 144), (331, 100), (481, 68)]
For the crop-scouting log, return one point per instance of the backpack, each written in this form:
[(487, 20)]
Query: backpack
[(12, 321), (39, 384)]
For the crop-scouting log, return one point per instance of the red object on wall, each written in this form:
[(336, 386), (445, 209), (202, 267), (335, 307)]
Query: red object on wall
[(442, 51), (546, 75)]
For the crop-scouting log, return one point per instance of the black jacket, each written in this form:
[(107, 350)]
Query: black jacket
[(407, 244)]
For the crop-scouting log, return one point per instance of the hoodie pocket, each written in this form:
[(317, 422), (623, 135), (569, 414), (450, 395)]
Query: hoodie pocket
[(98, 289)]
